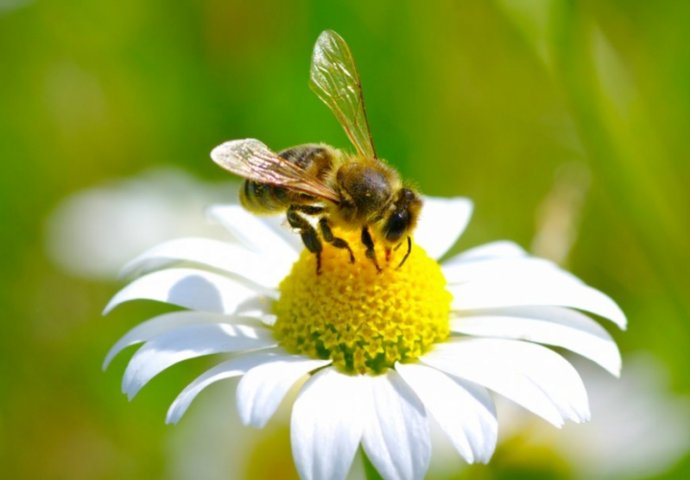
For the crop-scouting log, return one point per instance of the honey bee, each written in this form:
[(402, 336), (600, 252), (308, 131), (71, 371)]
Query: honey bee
[(348, 191)]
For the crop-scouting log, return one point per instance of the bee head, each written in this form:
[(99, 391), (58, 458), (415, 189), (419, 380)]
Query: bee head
[(402, 217)]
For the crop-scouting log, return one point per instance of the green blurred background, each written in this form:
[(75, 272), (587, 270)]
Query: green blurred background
[(567, 122)]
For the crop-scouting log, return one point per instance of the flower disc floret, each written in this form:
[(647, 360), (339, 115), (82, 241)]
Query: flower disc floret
[(363, 320)]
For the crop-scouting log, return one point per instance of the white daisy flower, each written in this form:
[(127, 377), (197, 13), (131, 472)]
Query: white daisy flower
[(376, 356)]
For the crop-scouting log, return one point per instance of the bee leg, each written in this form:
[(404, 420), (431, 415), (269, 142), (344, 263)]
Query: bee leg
[(308, 209), (308, 233), (369, 243), (337, 242), (388, 254), (409, 249)]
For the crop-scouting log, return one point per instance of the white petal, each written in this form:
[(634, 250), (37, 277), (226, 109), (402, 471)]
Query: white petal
[(531, 375), (231, 368), (189, 288), (187, 342), (465, 412), (498, 249), (258, 306), (514, 268), (396, 436), (261, 390), (170, 321), (441, 223), (326, 424), (266, 235), (264, 270), (556, 326), (543, 290)]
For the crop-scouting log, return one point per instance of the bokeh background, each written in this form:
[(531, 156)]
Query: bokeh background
[(566, 121)]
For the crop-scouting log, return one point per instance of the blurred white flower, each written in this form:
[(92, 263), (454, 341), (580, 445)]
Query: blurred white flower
[(640, 428), (374, 357), (92, 233)]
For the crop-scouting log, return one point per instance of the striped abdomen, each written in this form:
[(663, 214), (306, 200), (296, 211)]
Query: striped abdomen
[(258, 197)]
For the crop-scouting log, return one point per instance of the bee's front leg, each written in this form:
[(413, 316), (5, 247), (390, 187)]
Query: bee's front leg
[(307, 232), (337, 242), (369, 243)]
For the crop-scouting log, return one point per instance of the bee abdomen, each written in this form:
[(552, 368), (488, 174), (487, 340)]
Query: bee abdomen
[(262, 198), (312, 157)]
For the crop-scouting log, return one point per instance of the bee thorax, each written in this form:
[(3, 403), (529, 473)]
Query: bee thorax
[(365, 190)]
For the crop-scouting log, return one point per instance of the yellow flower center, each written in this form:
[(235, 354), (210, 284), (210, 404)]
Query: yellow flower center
[(363, 320)]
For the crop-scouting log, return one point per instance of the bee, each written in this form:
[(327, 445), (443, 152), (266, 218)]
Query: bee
[(349, 191)]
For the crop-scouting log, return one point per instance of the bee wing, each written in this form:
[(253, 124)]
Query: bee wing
[(335, 81), (251, 159)]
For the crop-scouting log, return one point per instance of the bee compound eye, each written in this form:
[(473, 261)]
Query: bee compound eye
[(396, 225)]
